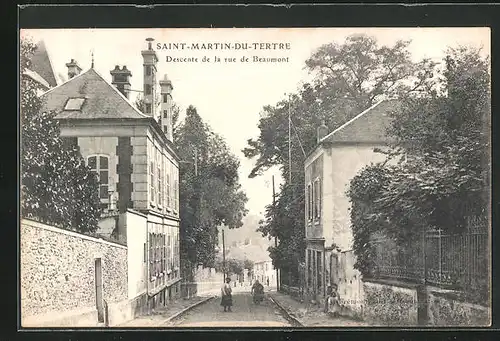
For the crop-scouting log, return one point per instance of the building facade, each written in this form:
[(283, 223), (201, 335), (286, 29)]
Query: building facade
[(132, 153), (329, 168)]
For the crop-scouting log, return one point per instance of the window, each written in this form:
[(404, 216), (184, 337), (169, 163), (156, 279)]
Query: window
[(164, 254), (74, 104), (176, 189), (165, 98), (309, 202), (151, 270), (168, 184), (317, 198), (100, 165), (147, 89), (148, 70), (159, 177), (152, 177), (165, 114), (148, 108)]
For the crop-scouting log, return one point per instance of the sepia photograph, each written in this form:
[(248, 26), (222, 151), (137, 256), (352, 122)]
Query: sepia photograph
[(255, 177)]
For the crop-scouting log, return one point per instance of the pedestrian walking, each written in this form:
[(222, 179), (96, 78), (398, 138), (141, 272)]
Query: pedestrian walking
[(226, 295)]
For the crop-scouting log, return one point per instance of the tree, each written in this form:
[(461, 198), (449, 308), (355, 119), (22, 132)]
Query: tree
[(210, 197), (349, 78), (441, 179), (56, 186)]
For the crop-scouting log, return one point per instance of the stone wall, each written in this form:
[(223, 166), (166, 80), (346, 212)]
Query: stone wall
[(58, 275), (206, 281), (390, 303), (445, 309)]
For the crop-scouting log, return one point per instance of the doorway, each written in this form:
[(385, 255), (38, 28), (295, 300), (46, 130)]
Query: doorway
[(99, 290)]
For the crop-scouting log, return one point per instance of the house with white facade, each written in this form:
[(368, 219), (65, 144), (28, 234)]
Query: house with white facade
[(131, 150), (329, 168)]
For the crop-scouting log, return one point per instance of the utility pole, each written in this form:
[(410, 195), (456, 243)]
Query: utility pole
[(289, 143), (290, 166), (195, 162), (223, 256), (276, 241)]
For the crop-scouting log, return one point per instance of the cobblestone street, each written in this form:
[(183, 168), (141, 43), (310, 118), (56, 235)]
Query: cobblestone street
[(244, 314)]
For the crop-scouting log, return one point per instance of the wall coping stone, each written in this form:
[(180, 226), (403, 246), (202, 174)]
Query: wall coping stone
[(39, 225), (455, 295), (392, 282), (129, 210)]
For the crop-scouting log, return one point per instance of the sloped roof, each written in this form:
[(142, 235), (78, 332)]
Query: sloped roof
[(369, 126), (102, 100), (41, 64), (36, 77)]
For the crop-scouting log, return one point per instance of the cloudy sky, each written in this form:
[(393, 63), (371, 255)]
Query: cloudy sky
[(230, 96)]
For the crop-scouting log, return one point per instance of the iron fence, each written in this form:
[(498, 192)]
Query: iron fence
[(455, 261)]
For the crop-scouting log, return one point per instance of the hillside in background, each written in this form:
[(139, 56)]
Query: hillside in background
[(247, 239)]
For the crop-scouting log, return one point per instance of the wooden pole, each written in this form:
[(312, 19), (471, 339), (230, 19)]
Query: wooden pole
[(223, 256), (276, 240)]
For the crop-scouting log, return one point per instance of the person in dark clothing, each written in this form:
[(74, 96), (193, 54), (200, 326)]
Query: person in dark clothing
[(226, 295)]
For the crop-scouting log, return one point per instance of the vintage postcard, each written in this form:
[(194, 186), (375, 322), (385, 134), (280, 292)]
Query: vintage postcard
[(255, 177)]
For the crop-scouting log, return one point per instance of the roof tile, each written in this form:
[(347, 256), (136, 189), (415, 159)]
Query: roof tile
[(369, 126), (102, 100)]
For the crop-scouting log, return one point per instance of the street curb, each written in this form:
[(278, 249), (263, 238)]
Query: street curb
[(178, 314), (295, 321)]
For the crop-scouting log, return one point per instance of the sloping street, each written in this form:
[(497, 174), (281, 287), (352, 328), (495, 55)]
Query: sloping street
[(244, 314)]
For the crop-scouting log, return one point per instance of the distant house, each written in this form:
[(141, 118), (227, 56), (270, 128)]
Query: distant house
[(40, 69), (337, 158), (133, 155)]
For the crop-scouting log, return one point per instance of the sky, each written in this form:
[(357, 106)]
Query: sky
[(229, 96)]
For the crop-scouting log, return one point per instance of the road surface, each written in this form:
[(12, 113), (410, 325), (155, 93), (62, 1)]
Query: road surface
[(244, 314)]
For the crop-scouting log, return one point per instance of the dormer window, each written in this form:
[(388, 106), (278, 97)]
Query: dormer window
[(74, 104)]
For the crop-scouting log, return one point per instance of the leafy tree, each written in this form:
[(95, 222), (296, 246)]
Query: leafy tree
[(441, 179), (349, 78), (210, 193), (56, 186)]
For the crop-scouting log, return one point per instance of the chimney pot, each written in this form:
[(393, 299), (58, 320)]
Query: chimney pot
[(73, 68), (322, 131)]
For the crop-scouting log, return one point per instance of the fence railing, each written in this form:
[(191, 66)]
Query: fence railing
[(456, 261)]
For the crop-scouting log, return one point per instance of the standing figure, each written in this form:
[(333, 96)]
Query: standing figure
[(333, 302), (257, 292), (226, 294)]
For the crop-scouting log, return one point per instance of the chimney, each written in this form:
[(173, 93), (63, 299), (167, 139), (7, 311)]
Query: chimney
[(121, 79), (322, 131), (166, 107), (73, 68), (150, 59)]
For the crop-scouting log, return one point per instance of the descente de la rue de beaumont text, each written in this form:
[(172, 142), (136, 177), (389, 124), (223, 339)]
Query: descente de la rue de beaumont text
[(223, 46)]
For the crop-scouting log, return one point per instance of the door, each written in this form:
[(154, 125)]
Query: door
[(98, 290)]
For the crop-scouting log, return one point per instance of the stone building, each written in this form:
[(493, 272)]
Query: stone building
[(40, 69), (132, 152), (337, 158)]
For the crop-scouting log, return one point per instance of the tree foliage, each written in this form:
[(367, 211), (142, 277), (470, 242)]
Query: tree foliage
[(348, 78), (56, 186), (441, 175), (213, 196)]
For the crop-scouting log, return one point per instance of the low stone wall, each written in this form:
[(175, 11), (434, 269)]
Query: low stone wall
[(57, 272), (206, 281), (391, 303), (444, 309)]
